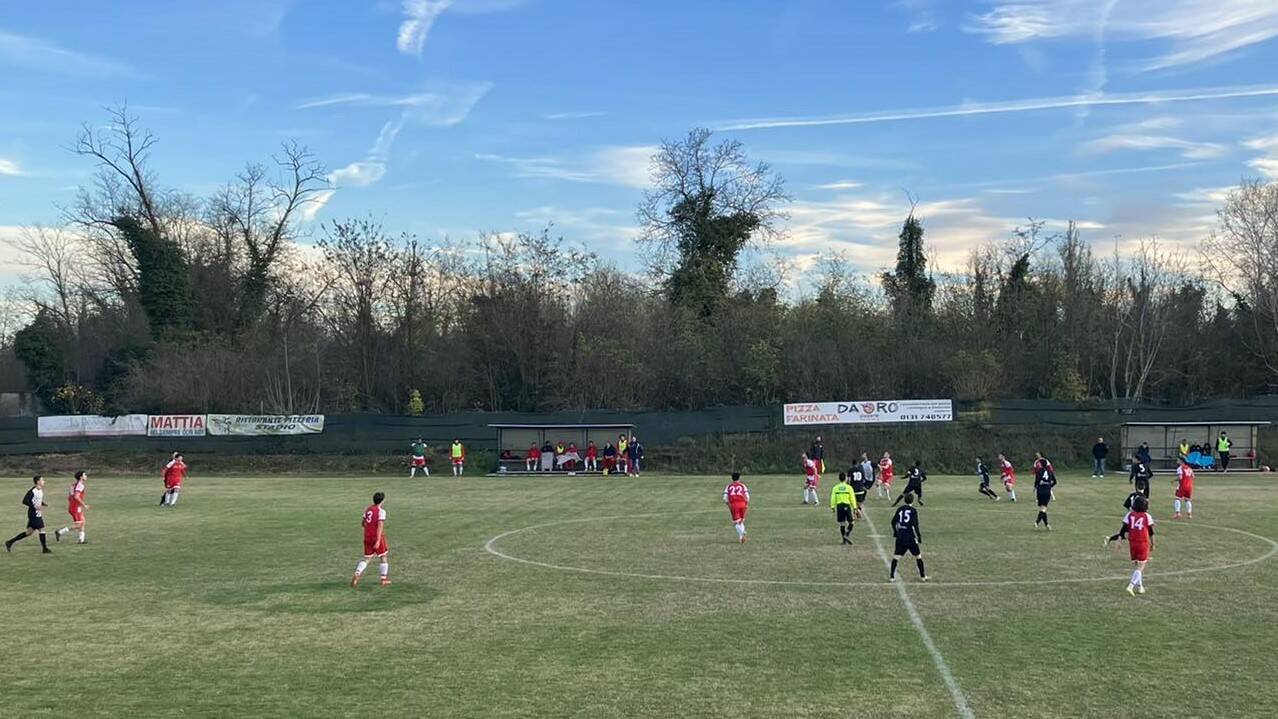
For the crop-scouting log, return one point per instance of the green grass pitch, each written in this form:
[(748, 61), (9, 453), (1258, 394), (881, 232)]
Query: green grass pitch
[(629, 602)]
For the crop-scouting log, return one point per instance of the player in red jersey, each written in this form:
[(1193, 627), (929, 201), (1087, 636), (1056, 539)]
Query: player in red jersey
[(887, 472), (1184, 489), (374, 523), (174, 473), (75, 507), (1138, 529), (737, 496), (1009, 477), (811, 480)]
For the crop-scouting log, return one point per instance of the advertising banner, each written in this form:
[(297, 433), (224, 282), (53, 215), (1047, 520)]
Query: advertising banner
[(91, 425), (265, 424), (870, 411), (175, 425)]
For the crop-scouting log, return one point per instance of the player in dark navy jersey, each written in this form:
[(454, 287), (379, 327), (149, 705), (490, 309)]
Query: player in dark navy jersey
[(983, 471), (1044, 481), (905, 527)]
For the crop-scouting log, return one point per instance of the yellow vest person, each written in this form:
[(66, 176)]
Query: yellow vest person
[(458, 452), (843, 504)]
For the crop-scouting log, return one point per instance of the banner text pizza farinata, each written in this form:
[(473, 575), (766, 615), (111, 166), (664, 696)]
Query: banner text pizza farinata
[(869, 411)]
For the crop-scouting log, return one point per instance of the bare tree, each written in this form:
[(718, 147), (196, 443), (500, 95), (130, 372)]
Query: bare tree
[(255, 216), (1140, 301), (1243, 256)]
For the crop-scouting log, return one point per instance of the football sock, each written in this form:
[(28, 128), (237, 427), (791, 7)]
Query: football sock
[(892, 571), (922, 572), (1013, 495), (359, 568), (44, 540), (1042, 517), (173, 498), (1136, 578), (383, 569), (1189, 506), (164, 498), (17, 539), (1176, 504), (62, 531), (81, 535)]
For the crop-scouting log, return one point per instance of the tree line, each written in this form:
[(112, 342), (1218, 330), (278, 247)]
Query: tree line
[(147, 299)]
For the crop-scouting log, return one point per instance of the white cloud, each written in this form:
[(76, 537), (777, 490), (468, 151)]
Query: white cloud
[(1011, 106), (318, 201), (572, 115), (840, 185), (1267, 162), (365, 172), (36, 54), (921, 13), (1190, 30), (442, 107), (1142, 142), (9, 167), (626, 165), (594, 225), (420, 17)]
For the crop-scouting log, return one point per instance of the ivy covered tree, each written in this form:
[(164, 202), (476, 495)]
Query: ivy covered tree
[(708, 203), (909, 287)]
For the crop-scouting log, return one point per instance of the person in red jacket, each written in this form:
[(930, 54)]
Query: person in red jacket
[(533, 458), (592, 457)]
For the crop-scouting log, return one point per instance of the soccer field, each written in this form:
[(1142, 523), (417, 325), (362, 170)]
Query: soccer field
[(577, 597)]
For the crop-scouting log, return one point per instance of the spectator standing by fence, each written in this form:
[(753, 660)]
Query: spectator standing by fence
[(1100, 451)]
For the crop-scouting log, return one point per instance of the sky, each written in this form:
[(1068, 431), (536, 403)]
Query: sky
[(451, 117)]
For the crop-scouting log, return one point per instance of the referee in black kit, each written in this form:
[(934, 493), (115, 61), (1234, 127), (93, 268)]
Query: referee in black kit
[(34, 502)]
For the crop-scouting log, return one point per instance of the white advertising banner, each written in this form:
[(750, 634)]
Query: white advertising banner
[(265, 424), (175, 425), (91, 425), (870, 412)]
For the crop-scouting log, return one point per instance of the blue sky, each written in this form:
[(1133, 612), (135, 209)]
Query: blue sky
[(452, 117)]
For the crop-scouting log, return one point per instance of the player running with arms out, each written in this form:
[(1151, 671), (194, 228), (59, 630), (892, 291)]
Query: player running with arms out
[(737, 496), (1044, 481), (1184, 483), (174, 473), (914, 479), (374, 523), (983, 472), (75, 507), (34, 502), (418, 460), (811, 480), (905, 527), (887, 471), (1138, 530), (843, 504), (1009, 477)]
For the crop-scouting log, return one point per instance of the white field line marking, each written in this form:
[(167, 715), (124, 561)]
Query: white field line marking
[(491, 548), (956, 693)]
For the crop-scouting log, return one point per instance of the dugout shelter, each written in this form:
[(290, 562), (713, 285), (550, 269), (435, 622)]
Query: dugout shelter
[(1164, 441), (513, 441)]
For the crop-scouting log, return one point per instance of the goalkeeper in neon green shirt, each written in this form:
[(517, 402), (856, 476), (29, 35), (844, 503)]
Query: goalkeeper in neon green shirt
[(843, 504)]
